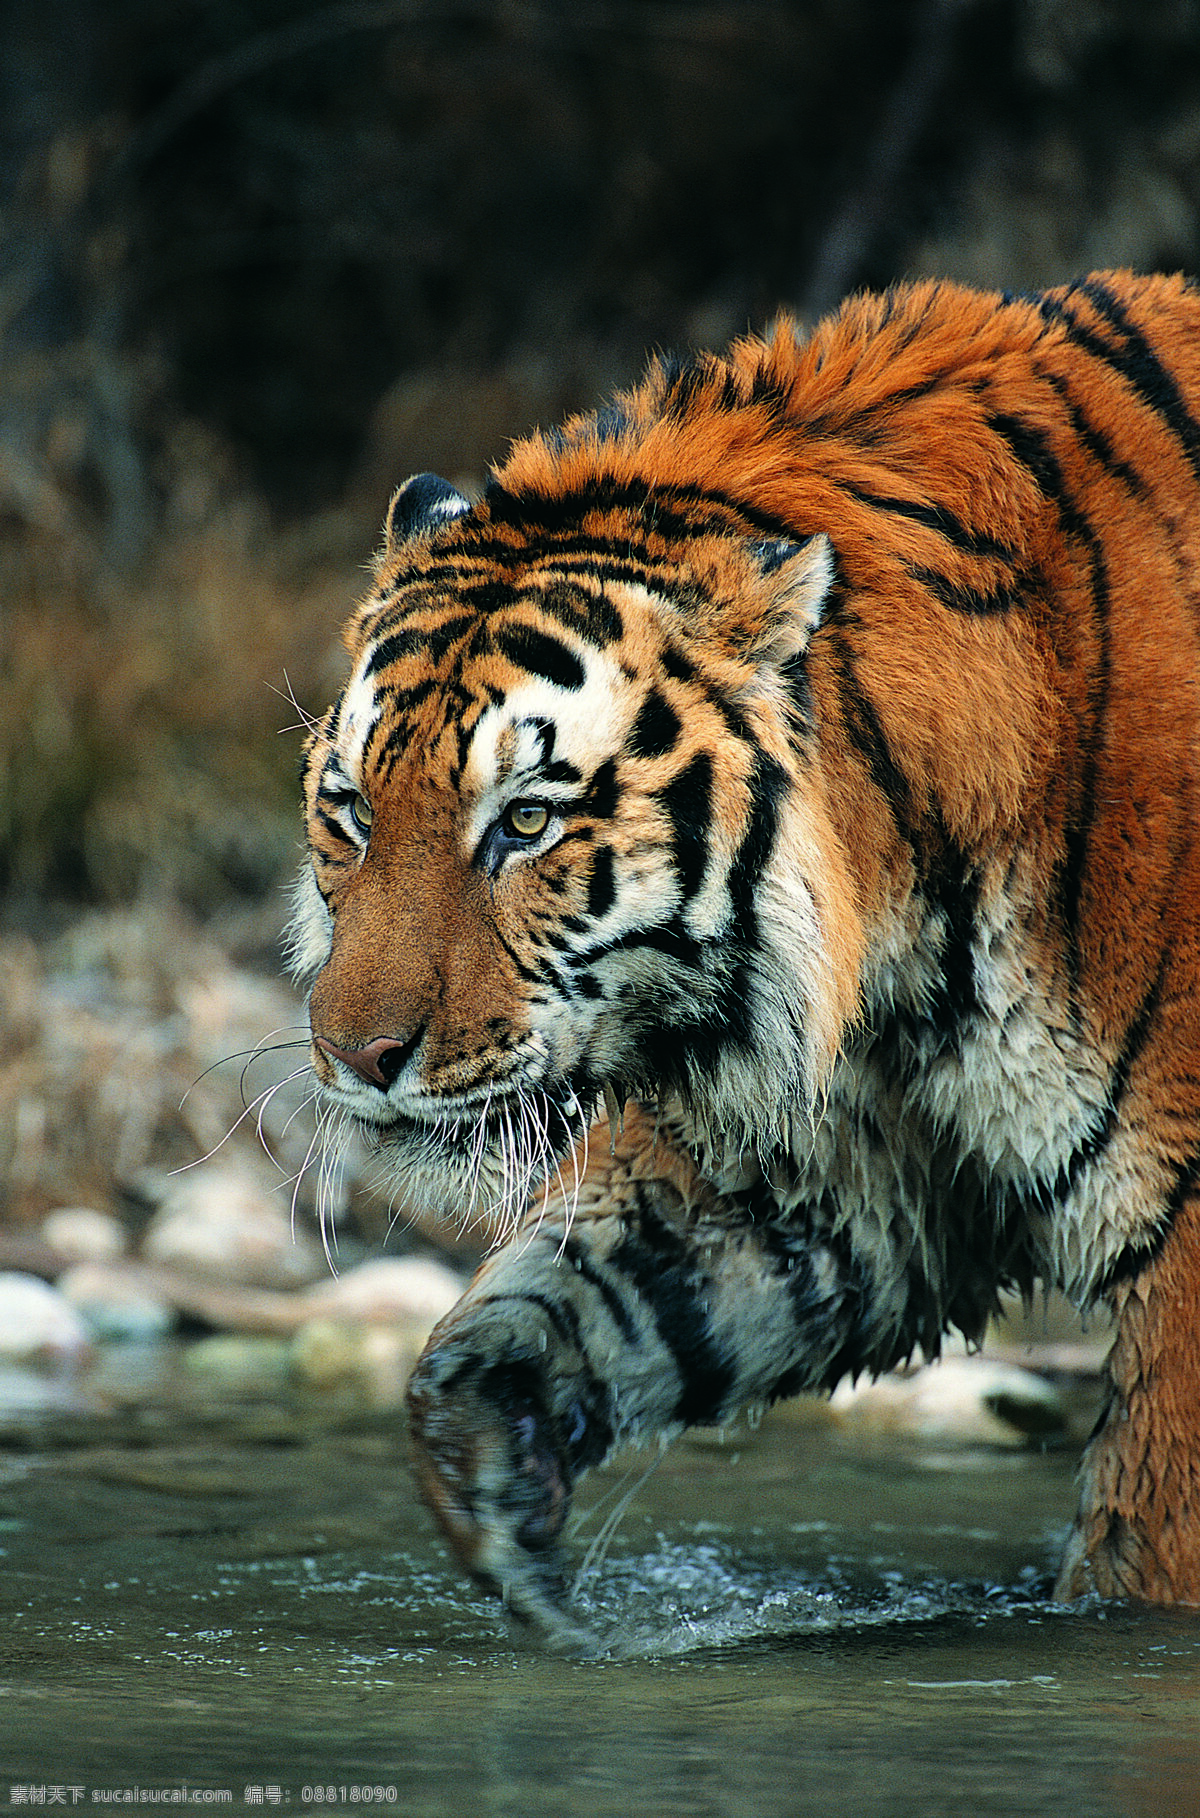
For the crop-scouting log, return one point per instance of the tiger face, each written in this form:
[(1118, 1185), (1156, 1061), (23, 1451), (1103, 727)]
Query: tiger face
[(540, 851)]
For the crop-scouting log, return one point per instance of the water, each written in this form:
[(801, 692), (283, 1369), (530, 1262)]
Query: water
[(794, 1623)]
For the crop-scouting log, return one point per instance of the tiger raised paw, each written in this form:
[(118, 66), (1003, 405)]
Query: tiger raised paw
[(756, 859)]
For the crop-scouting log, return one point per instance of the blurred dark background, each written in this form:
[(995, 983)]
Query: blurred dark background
[(263, 258), (260, 260)]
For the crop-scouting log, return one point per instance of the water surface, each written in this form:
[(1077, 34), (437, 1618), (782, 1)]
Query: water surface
[(794, 1624)]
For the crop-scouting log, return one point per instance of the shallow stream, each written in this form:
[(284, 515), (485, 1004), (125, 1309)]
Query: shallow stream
[(796, 1624)]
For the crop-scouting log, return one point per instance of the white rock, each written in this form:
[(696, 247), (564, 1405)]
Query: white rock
[(968, 1400), (116, 1302), (219, 1223), (406, 1289), (38, 1324), (82, 1234)]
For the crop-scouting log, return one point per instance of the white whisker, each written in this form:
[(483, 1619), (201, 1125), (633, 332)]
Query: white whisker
[(309, 1099), (264, 1100), (255, 1110), (308, 722), (597, 1550)]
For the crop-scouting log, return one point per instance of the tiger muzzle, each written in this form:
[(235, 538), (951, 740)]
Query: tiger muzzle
[(378, 1063)]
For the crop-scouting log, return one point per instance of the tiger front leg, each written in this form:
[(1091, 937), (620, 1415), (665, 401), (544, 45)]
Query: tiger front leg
[(529, 1381), (661, 1307), (504, 1415)]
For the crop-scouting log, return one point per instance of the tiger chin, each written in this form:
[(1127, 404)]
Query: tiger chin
[(757, 853)]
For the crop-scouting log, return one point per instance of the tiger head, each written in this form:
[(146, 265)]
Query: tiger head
[(568, 838)]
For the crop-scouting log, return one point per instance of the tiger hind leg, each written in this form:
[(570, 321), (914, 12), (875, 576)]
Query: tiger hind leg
[(1137, 1533)]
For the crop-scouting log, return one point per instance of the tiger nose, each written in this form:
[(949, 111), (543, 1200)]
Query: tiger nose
[(379, 1062)]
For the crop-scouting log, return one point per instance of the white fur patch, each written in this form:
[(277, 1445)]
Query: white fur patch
[(310, 930), (357, 714), (504, 759)]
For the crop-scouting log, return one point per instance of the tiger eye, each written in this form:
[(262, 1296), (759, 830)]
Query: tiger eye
[(525, 820), (361, 813)]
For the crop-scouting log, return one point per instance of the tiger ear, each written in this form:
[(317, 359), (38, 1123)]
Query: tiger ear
[(799, 575), (425, 502)]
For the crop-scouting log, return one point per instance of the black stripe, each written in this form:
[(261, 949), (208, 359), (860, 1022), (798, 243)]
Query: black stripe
[(949, 884), (576, 1257), (1031, 448), (687, 803), (592, 555), (728, 1020), (953, 885), (625, 559), (732, 715), (870, 741), (547, 973), (936, 518), (1097, 443), (430, 642), (566, 1328), (833, 1318), (769, 785), (546, 733), (602, 890), (392, 648), (488, 596), (1003, 596), (405, 700), (462, 714), (1137, 363), (661, 1267), (1137, 1255), (833, 423), (668, 938), (1045, 1195), (677, 664), (532, 975), (1140, 1254), (603, 792), (540, 654), (588, 614), (656, 728), (793, 673), (675, 512), (684, 382), (552, 769)]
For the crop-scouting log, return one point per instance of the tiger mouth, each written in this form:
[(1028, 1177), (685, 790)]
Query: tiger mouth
[(554, 1117)]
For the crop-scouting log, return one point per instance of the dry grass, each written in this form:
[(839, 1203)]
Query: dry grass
[(146, 740), (148, 756)]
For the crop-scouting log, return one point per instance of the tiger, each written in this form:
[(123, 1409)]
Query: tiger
[(754, 862)]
